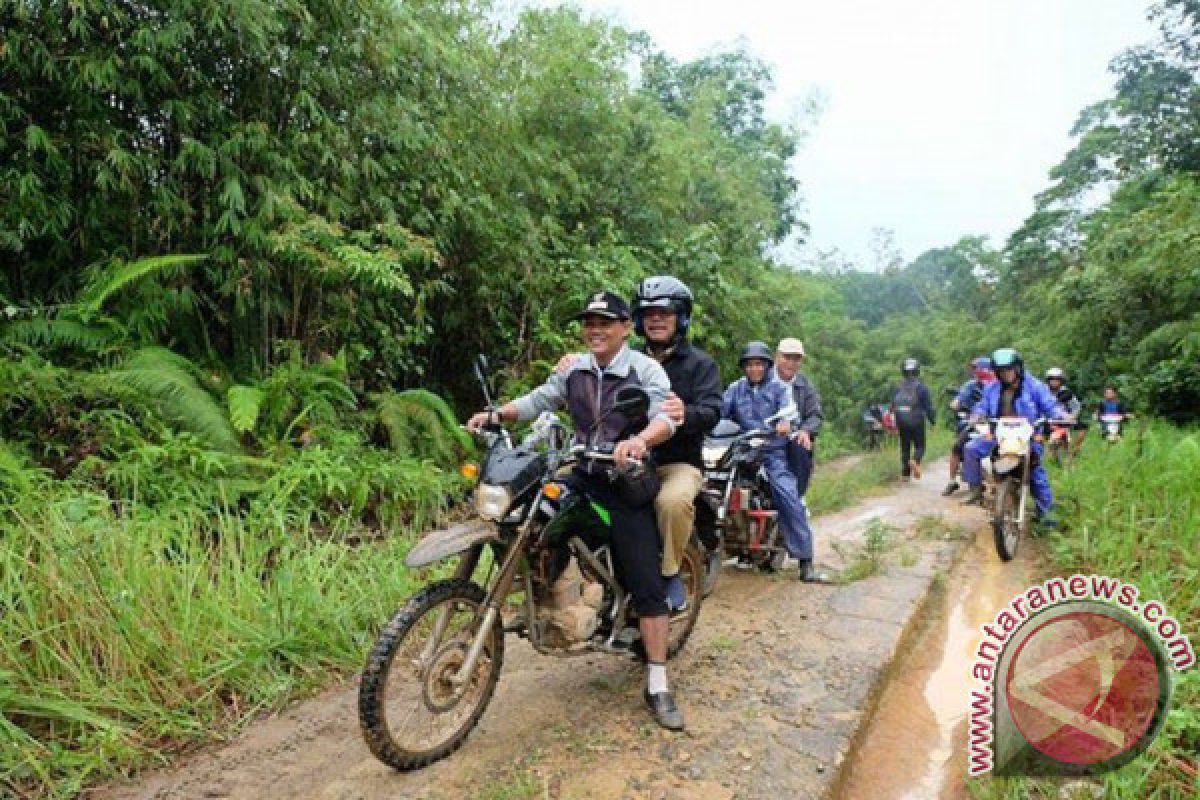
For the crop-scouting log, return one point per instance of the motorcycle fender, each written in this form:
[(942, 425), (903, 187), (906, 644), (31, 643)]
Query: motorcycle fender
[(437, 545)]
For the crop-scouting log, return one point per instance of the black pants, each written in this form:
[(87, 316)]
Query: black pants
[(635, 546), (912, 438)]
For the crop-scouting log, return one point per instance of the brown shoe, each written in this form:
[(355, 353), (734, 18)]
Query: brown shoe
[(915, 467)]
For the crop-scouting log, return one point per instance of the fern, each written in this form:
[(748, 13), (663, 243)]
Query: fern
[(62, 331), (244, 402), (108, 282), (167, 382), (419, 423)]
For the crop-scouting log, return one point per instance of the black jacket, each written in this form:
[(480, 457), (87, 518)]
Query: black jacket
[(914, 417), (695, 377)]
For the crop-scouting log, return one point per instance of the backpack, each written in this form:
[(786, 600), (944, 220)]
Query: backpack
[(906, 404)]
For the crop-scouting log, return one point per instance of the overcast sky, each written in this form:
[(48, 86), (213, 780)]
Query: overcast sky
[(941, 117)]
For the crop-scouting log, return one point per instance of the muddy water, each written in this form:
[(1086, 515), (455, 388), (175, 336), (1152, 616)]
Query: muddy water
[(914, 747)]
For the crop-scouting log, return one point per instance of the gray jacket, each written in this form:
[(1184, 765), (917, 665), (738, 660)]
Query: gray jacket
[(808, 405), (587, 392)]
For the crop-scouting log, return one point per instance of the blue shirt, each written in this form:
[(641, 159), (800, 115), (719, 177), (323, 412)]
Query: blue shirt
[(1033, 401), (749, 404)]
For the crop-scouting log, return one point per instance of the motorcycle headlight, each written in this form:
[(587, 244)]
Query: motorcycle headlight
[(1005, 464), (492, 501)]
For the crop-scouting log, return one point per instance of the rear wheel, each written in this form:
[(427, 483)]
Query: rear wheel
[(1006, 524), (411, 709), (692, 572)]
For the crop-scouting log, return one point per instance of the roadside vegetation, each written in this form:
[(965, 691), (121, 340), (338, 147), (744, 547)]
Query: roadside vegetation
[(1132, 510), (251, 248)]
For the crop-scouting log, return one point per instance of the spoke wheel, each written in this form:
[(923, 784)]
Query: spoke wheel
[(692, 573), (1006, 526), (412, 709)]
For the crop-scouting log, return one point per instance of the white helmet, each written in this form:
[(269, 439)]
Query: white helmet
[(1055, 372)]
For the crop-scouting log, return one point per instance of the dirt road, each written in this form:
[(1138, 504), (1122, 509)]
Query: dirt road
[(776, 682)]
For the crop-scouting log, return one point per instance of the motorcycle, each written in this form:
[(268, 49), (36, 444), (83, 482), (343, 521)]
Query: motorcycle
[(1009, 470), (535, 561), (872, 423), (737, 492), (1111, 425), (1058, 445)]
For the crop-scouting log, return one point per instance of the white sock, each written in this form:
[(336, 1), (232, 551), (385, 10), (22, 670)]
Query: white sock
[(656, 678)]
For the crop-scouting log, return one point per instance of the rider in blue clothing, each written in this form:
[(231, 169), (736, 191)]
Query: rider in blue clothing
[(1015, 394), (750, 402)]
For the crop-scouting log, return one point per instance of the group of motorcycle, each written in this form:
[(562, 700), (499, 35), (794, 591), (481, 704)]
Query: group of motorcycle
[(534, 560)]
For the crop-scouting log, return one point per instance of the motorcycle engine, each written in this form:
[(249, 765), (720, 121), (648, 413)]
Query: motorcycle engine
[(569, 608)]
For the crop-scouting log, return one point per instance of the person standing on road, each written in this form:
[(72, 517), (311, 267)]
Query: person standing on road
[(789, 356), (912, 405)]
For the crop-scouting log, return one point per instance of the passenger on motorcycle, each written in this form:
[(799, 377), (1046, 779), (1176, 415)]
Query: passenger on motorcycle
[(968, 395), (1056, 383), (588, 390), (789, 355), (1015, 393), (750, 401), (662, 313)]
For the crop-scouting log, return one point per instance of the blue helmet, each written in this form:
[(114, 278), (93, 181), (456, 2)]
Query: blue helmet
[(983, 362), (1008, 357)]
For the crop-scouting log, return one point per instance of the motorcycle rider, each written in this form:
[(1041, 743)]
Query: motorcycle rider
[(1015, 393), (588, 390), (968, 395), (912, 405), (789, 355), (1056, 383), (750, 401), (662, 313), (1111, 404)]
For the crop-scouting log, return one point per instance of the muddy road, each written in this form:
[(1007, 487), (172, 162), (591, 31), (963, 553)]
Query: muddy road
[(777, 683)]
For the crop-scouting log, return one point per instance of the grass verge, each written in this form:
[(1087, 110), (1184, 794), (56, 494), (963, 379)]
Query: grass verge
[(1131, 510)]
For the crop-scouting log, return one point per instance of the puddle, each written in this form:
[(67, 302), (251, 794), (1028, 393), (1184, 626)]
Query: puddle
[(914, 747)]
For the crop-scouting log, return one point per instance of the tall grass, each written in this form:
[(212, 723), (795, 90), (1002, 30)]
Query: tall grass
[(1131, 510), (124, 635)]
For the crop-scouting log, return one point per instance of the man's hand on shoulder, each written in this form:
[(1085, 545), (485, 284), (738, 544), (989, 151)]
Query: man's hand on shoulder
[(674, 408), (566, 362)]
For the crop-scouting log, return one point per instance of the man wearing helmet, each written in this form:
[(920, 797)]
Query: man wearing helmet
[(750, 401), (912, 405), (1015, 393), (1056, 382), (968, 395), (662, 314)]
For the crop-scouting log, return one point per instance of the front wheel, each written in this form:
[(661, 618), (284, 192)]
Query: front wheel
[(412, 709), (1006, 522)]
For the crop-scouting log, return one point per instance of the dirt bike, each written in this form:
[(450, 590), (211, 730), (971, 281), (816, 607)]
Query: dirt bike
[(1009, 470), (738, 493), (1058, 445), (1111, 425), (434, 667)]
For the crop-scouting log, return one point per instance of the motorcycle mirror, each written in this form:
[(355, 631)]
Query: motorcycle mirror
[(481, 375)]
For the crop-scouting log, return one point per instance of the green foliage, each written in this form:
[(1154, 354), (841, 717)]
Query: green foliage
[(422, 425)]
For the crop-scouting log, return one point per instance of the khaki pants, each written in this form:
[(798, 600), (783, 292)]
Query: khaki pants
[(675, 507)]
